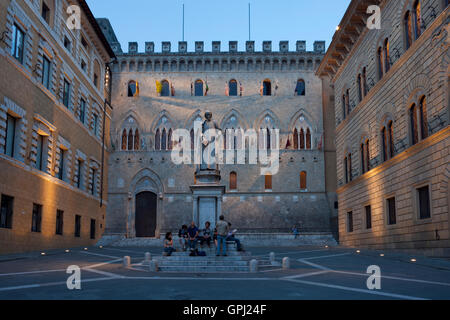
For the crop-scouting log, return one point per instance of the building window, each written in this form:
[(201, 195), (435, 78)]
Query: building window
[(392, 215), (303, 178), (66, 93), (387, 58), (59, 222), (232, 88), (95, 80), (359, 82), (347, 101), (6, 212), (40, 152), (11, 123), (45, 72), (80, 167), (413, 124), (350, 222), (157, 140), (364, 80), (17, 46), (92, 228), (387, 137), (423, 118), (67, 44), (77, 226), (302, 139), (233, 181), (82, 110), (417, 20), (164, 139), (61, 164), (165, 91), (348, 168), (267, 88), (45, 12), (199, 88), (133, 89), (308, 139), (408, 30), (424, 202), (136, 140), (368, 211), (268, 182), (300, 89), (36, 220), (380, 63), (93, 185), (362, 151), (130, 139), (83, 65), (84, 43), (95, 124)]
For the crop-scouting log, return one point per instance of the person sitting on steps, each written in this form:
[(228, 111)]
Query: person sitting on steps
[(222, 231), (192, 232), (231, 237), (168, 244), (206, 235), (182, 234)]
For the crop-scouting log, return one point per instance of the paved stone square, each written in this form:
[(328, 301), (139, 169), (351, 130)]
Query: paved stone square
[(316, 273)]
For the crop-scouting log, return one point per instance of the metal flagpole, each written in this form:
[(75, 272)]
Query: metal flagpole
[(183, 22)]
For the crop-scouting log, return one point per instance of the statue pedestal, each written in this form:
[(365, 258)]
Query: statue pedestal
[(207, 196)]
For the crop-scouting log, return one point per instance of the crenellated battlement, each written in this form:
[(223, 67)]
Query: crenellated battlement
[(199, 48)]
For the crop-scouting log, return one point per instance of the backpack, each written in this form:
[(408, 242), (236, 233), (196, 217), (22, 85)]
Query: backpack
[(201, 254)]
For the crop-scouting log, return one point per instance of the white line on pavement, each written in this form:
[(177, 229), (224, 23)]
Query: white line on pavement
[(373, 292), (304, 275), (99, 254), (317, 266), (328, 256), (30, 272), (394, 278), (40, 285), (102, 264)]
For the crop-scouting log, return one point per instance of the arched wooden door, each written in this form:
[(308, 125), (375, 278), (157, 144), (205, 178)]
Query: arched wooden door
[(145, 223)]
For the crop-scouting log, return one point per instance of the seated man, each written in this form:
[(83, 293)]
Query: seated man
[(192, 232), (231, 237), (205, 235)]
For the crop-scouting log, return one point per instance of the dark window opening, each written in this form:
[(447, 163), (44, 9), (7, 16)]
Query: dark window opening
[(424, 202), (77, 226), (66, 93), (17, 46), (10, 135), (6, 212), (92, 228), (45, 80), (267, 88), (45, 13), (300, 89), (392, 215), (199, 88), (368, 210), (350, 222), (232, 88), (36, 220), (59, 222)]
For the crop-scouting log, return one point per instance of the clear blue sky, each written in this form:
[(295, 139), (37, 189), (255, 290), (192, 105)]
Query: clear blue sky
[(224, 20)]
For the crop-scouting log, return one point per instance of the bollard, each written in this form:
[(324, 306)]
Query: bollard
[(253, 266), (153, 266), (148, 257), (286, 263), (272, 257), (126, 261)]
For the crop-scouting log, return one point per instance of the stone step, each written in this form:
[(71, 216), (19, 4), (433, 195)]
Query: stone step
[(207, 258), (202, 263), (211, 253), (204, 269)]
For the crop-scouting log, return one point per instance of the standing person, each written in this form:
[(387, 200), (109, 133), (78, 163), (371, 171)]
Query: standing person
[(206, 235), (295, 231), (231, 237), (182, 234), (222, 232), (192, 236), (168, 244)]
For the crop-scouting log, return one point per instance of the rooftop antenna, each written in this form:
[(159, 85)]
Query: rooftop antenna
[(249, 20), (183, 23)]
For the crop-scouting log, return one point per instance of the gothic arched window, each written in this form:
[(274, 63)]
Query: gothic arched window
[(164, 139), (165, 92), (267, 88), (199, 88), (158, 140), (359, 83), (232, 88), (169, 140), (300, 89), (303, 177), (130, 139), (386, 58), (124, 139), (417, 20), (380, 62), (423, 118), (136, 140), (308, 139), (302, 139), (295, 139), (133, 89), (413, 123), (233, 180)]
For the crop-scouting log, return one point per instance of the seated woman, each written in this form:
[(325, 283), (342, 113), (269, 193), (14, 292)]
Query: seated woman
[(168, 244)]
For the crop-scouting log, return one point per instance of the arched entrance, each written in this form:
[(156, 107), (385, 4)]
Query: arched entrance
[(146, 208)]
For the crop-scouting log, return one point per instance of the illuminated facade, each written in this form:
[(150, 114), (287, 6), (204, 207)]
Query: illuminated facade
[(392, 125), (52, 124)]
